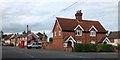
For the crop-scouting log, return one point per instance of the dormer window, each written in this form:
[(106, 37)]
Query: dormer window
[(78, 32), (92, 33)]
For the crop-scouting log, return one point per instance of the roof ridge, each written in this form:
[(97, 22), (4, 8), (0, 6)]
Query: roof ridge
[(64, 18), (91, 20), (76, 19)]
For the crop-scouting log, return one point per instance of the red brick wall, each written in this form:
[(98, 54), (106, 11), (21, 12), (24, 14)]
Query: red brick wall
[(68, 34), (57, 40)]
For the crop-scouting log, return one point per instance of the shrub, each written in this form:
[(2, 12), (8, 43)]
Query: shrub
[(78, 47), (93, 48), (118, 47), (107, 48), (104, 48), (99, 47), (86, 47)]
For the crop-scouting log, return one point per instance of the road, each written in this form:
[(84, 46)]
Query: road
[(16, 52)]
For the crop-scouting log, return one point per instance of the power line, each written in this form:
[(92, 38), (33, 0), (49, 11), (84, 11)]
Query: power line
[(64, 9)]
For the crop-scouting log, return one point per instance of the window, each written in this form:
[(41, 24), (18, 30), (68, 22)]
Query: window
[(59, 33), (92, 42), (54, 33), (78, 32), (79, 41), (92, 33)]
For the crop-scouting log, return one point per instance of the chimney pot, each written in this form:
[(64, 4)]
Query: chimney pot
[(78, 15)]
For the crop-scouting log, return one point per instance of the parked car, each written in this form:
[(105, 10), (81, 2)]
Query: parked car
[(35, 45)]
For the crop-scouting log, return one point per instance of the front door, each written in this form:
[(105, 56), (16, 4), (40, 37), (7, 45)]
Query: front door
[(69, 44)]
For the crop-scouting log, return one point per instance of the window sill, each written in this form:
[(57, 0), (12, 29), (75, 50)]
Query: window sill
[(78, 35), (93, 35)]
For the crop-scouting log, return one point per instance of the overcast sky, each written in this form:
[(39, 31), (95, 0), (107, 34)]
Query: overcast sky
[(40, 14)]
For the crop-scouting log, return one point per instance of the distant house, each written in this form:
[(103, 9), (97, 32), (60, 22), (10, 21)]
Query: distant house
[(44, 37), (113, 38), (8, 38), (67, 31), (33, 38), (29, 38)]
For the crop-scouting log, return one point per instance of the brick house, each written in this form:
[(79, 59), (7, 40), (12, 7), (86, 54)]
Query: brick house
[(8, 38), (112, 38), (67, 32)]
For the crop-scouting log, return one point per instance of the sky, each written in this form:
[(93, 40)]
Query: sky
[(40, 15)]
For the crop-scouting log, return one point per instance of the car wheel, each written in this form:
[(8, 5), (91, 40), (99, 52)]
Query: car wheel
[(37, 47), (29, 47)]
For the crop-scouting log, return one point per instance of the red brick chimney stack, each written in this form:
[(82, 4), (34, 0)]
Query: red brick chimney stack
[(78, 15)]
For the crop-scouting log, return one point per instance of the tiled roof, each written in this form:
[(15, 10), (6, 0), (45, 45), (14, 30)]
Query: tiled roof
[(114, 35), (8, 36), (70, 24), (32, 36), (101, 40)]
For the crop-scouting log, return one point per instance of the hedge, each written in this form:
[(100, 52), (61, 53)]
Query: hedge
[(86, 48), (78, 47), (104, 48), (93, 48), (118, 46)]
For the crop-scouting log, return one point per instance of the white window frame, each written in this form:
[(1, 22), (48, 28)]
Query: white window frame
[(92, 42), (78, 32), (92, 33), (55, 33), (59, 33)]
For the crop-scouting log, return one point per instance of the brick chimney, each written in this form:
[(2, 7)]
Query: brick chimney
[(78, 15)]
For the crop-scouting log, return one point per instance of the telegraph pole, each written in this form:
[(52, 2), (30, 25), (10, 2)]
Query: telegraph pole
[(27, 34)]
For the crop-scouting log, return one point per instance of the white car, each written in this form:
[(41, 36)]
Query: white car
[(35, 45)]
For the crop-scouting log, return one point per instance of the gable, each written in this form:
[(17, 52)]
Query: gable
[(79, 27), (70, 38), (106, 40), (56, 25), (93, 27)]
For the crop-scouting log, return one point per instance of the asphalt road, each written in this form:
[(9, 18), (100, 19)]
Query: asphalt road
[(16, 52)]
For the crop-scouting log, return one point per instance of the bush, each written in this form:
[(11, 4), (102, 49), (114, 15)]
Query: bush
[(99, 47), (78, 47), (86, 47), (107, 48), (93, 48), (104, 48), (118, 47)]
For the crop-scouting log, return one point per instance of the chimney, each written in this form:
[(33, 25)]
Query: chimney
[(78, 15)]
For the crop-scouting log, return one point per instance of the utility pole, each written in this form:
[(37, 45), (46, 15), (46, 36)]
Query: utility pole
[(27, 34)]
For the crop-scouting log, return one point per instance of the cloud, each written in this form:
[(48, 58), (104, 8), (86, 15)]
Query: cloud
[(40, 14)]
